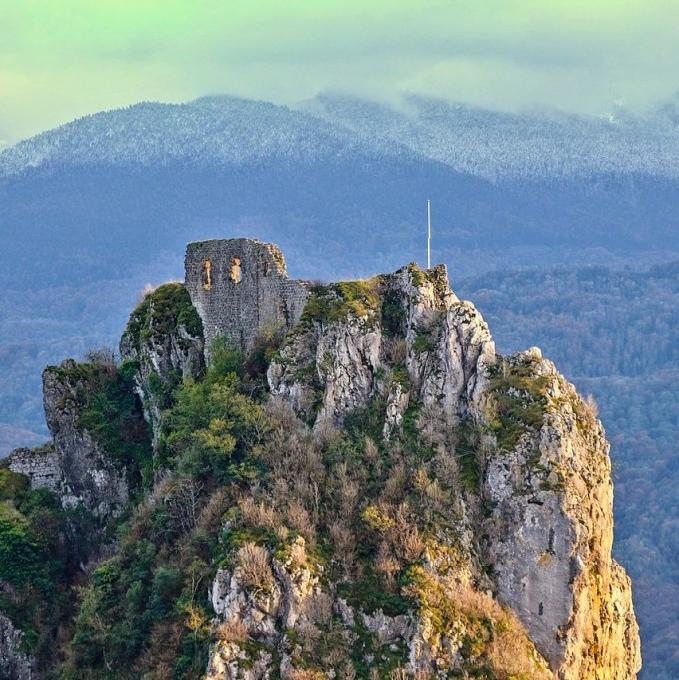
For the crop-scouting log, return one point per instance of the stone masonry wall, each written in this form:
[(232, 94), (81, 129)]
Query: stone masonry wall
[(42, 466), (240, 287)]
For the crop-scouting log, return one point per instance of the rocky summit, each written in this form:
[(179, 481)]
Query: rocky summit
[(289, 479)]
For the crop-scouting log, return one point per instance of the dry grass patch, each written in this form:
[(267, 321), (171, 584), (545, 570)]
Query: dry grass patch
[(255, 567)]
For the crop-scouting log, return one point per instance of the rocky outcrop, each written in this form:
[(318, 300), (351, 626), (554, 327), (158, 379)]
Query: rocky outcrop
[(164, 341), (15, 664), (289, 597), (461, 524), (550, 532), (88, 474), (74, 465), (405, 337), (269, 627), (405, 344)]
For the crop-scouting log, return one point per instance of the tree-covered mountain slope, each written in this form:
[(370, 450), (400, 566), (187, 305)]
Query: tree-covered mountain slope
[(374, 492), (506, 147)]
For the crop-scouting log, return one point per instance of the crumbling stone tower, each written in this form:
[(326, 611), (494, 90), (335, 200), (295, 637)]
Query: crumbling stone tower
[(240, 287)]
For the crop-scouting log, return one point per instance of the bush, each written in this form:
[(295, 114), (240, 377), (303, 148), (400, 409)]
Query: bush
[(255, 569), (519, 402), (160, 313)]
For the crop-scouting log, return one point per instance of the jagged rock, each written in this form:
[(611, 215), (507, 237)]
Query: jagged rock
[(388, 629), (549, 535), (548, 539), (232, 601), (496, 501), (448, 368), (164, 338), (88, 474), (397, 404), (347, 359), (15, 664), (261, 614), (334, 364)]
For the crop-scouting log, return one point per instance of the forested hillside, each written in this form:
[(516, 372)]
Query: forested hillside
[(616, 335)]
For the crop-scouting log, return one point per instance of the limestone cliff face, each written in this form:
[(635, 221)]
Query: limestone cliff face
[(73, 465), (292, 596), (405, 336), (88, 474), (297, 600), (164, 339), (541, 516), (15, 664), (550, 531)]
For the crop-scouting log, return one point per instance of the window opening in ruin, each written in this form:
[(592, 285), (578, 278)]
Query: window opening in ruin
[(207, 275), (235, 272)]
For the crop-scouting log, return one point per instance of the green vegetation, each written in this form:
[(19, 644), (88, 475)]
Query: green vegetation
[(425, 341), (393, 312), (363, 521), (417, 276), (494, 644), (160, 313), (107, 407), (111, 413), (38, 551), (338, 300), (145, 608), (519, 401), (466, 451), (241, 484)]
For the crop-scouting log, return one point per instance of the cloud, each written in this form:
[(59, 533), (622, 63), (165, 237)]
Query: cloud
[(63, 58)]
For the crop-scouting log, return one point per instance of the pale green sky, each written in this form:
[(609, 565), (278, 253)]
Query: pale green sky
[(64, 58)]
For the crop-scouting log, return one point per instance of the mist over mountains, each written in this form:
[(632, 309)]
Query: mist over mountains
[(94, 210)]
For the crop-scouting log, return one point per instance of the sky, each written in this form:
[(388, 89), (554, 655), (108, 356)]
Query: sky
[(61, 59)]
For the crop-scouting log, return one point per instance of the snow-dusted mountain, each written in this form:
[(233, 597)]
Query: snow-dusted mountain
[(499, 146), (541, 145), (210, 130)]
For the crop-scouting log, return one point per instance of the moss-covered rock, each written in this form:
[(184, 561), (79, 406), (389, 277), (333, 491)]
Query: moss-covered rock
[(163, 345)]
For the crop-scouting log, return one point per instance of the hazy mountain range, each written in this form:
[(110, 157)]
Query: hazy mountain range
[(106, 202), (92, 211)]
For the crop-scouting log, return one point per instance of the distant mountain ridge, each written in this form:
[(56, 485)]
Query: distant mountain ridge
[(208, 130), (93, 211), (490, 144), (532, 145)]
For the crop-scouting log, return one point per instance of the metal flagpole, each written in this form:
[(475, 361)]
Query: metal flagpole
[(428, 234)]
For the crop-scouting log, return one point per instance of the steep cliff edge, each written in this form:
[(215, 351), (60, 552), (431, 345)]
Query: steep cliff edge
[(533, 454), (98, 438), (365, 490), (549, 530), (164, 342)]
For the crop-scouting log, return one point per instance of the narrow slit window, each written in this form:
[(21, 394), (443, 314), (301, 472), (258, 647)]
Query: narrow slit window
[(207, 275), (235, 273)]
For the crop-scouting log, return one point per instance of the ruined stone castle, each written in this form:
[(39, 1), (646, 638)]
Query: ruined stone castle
[(240, 287)]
